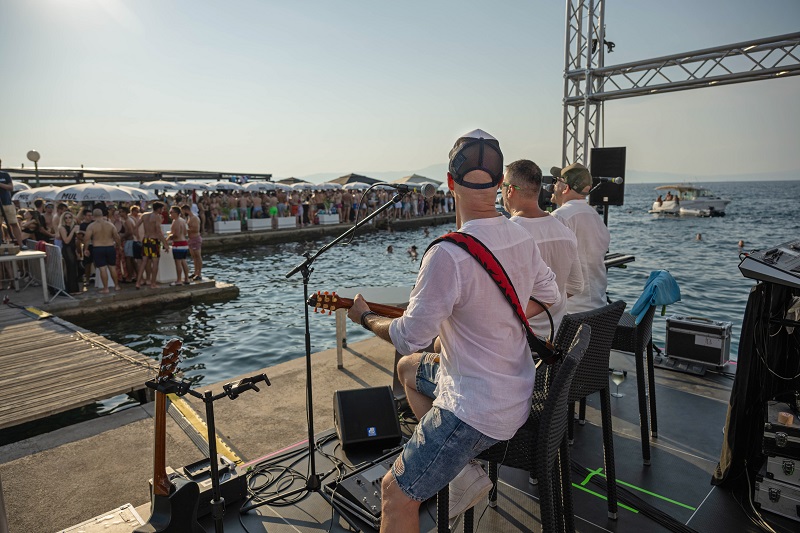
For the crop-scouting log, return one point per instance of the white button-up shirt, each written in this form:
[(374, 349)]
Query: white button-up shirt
[(559, 249), (593, 240), (486, 373)]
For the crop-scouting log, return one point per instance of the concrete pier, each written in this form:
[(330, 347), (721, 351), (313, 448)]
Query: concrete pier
[(63, 478)]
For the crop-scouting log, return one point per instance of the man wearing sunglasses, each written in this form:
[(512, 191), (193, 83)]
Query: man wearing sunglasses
[(521, 187), (570, 192)]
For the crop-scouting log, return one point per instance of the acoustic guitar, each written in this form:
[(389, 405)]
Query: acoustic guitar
[(173, 506), (325, 301)]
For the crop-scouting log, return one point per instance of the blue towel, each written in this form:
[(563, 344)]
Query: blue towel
[(660, 289)]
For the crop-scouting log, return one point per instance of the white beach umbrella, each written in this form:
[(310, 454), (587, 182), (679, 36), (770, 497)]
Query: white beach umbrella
[(193, 186), (94, 192), (139, 194), (20, 186), (302, 186), (28, 196), (330, 186), (225, 186), (283, 187), (356, 185), (159, 185), (255, 186)]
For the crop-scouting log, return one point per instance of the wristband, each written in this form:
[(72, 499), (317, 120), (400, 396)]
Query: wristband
[(364, 316)]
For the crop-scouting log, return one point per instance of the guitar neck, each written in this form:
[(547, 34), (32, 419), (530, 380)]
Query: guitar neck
[(161, 482), (389, 311)]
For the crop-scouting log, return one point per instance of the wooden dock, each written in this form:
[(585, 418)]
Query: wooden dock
[(49, 365)]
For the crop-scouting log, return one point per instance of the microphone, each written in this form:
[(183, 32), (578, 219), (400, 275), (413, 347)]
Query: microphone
[(616, 181), (426, 189)]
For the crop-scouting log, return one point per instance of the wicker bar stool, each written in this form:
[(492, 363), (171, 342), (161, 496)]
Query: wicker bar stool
[(592, 376), (543, 453)]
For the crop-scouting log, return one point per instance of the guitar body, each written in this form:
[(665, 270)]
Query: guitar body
[(176, 513)]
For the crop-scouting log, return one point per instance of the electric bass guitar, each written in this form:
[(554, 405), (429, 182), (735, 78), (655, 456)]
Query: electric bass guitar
[(173, 506), (325, 301)]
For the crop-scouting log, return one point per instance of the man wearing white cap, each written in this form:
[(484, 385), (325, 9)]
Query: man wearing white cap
[(477, 390), (570, 190)]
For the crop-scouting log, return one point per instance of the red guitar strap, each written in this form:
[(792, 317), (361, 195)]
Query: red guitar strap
[(474, 247)]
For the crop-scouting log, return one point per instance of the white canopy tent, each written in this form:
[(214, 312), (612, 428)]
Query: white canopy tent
[(159, 185), (225, 186), (193, 186), (95, 192), (28, 196)]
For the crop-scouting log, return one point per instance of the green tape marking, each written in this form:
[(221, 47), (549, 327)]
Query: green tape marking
[(599, 472), (593, 493)]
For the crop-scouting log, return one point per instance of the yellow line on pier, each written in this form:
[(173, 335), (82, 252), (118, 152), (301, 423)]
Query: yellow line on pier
[(200, 426)]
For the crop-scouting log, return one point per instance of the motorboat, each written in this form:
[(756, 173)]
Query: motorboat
[(689, 200)]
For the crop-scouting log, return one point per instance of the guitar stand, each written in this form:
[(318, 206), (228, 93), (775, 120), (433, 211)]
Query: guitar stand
[(231, 390)]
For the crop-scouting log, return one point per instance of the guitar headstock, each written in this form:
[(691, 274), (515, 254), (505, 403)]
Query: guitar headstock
[(170, 356), (325, 301)]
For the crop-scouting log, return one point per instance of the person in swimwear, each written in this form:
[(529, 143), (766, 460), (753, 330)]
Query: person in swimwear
[(178, 234), (195, 241), (104, 238), (151, 242)]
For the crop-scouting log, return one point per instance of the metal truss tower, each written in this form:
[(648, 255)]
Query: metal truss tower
[(588, 82)]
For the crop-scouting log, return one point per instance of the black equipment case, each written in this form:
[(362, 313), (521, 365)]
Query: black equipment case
[(698, 339), (779, 439)]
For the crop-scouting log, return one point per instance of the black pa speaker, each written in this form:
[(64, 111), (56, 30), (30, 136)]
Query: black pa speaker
[(608, 164), (366, 416)]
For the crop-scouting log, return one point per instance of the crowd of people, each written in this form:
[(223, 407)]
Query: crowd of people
[(306, 205), (118, 243), (137, 241)]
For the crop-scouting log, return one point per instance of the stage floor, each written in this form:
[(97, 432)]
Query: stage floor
[(691, 416)]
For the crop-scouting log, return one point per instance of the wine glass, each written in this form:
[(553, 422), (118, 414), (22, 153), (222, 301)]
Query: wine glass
[(618, 376)]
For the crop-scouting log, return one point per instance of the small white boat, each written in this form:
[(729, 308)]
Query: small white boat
[(689, 200)]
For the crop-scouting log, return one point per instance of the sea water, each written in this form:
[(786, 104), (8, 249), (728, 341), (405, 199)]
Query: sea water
[(265, 324)]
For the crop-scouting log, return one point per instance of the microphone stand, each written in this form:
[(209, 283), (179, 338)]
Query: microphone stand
[(314, 481)]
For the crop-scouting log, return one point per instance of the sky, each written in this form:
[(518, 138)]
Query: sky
[(320, 87)]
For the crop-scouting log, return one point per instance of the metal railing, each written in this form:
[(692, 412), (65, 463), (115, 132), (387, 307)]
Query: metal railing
[(54, 267)]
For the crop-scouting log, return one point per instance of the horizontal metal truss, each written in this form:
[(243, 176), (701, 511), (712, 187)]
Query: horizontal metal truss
[(768, 58)]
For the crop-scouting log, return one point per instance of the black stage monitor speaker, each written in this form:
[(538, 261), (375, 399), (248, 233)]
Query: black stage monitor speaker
[(607, 164), (366, 416)]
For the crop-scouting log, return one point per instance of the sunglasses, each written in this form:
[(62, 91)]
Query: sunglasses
[(506, 185)]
